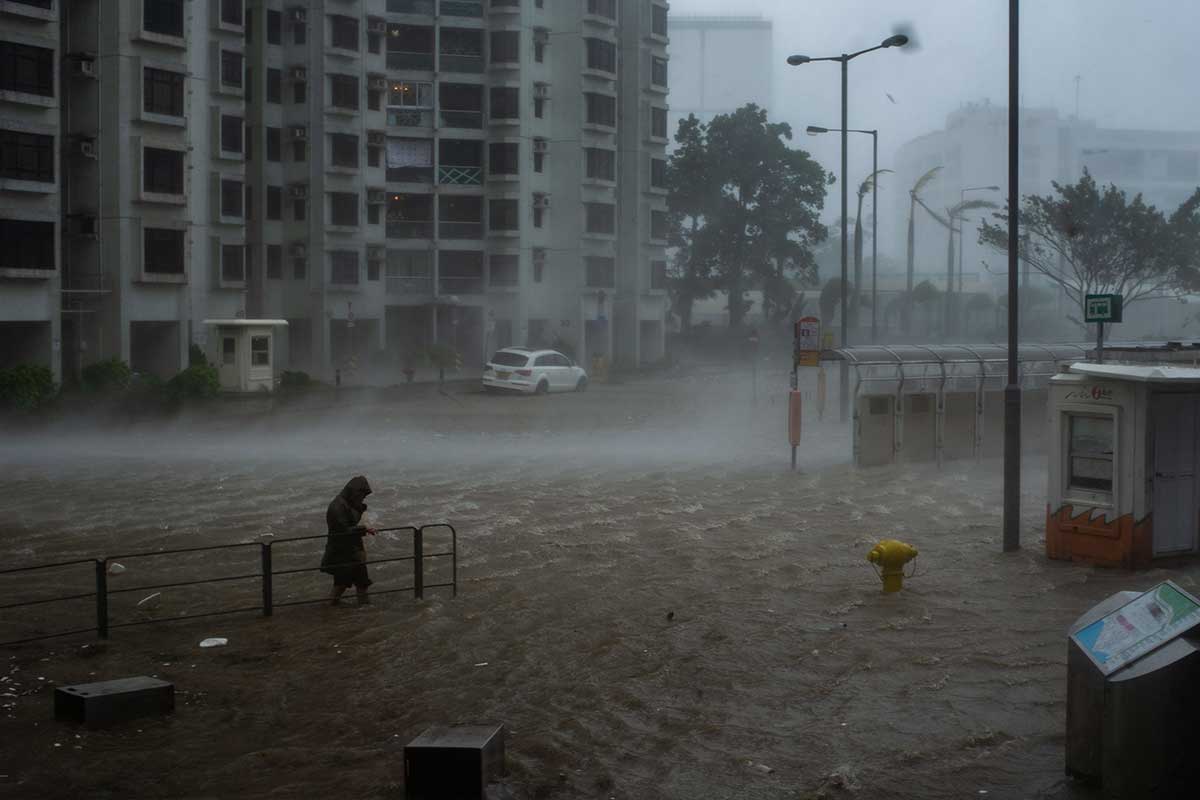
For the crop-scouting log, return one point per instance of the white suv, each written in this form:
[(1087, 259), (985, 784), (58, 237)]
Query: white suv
[(519, 369)]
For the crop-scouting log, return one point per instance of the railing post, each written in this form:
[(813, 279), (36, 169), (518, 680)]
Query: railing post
[(268, 601), (453, 561), (418, 565), (102, 598)]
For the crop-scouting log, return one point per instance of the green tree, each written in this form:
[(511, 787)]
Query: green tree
[(692, 194), (1091, 240), (913, 198)]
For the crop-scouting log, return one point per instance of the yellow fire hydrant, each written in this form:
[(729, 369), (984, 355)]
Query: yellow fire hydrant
[(891, 556)]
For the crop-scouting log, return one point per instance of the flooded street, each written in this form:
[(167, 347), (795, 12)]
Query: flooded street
[(648, 600)]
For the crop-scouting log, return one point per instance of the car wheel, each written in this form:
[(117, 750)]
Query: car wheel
[(582, 385), (542, 387)]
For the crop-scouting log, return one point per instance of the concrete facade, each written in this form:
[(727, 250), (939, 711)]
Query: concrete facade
[(383, 174)]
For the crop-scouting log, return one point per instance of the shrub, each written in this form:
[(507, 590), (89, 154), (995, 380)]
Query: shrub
[(197, 382), (289, 379), (443, 356), (106, 376), (563, 346), (196, 356), (26, 387)]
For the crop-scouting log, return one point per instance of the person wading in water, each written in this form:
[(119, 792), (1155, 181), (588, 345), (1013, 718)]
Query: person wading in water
[(345, 555)]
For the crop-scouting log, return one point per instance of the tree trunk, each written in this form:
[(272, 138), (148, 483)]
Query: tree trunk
[(906, 321), (948, 325)]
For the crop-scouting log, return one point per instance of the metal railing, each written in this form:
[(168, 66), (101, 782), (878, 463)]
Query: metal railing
[(460, 229), (458, 118), (265, 573), (461, 285), (461, 8), (409, 284), (461, 62), (407, 59), (410, 117), (460, 176), (410, 6), (410, 229)]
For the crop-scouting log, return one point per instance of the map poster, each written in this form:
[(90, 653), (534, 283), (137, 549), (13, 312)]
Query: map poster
[(1139, 627)]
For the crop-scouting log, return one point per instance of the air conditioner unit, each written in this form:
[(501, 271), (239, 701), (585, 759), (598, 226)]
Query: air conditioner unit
[(379, 84), (540, 145), (298, 15), (376, 196), (375, 252), (299, 133), (541, 201), (376, 25), (541, 91), (87, 148), (299, 73), (299, 191), (299, 250), (375, 138), (541, 35), (84, 67)]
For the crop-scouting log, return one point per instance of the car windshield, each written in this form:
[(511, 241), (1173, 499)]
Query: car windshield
[(504, 358)]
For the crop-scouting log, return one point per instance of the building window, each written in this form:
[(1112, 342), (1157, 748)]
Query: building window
[(163, 17), (539, 107), (162, 251), (539, 263), (503, 215), (658, 225), (300, 33), (1090, 457), (540, 37), (163, 171), (343, 149), (249, 202), (658, 71), (26, 156), (601, 55), (539, 209), (539, 154), (504, 158), (26, 69), (299, 210), (275, 261), (505, 102), (343, 266), (658, 173), (658, 20), (343, 209), (374, 43), (231, 198), (601, 164), (506, 47), (373, 269), (374, 100), (299, 151), (658, 122), (28, 244), (299, 92), (162, 92), (600, 217), (374, 156), (274, 144), (409, 94), (233, 263), (503, 269), (274, 85), (231, 12), (231, 134), (373, 213), (658, 274), (601, 109), (599, 272), (274, 27), (343, 32), (299, 268), (602, 8), (274, 203), (344, 91), (231, 69), (260, 351)]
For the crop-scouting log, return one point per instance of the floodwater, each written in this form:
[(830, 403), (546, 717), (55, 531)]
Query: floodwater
[(651, 603)]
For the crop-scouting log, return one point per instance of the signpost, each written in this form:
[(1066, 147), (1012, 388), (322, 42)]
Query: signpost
[(806, 352), (1102, 308), (1139, 627)]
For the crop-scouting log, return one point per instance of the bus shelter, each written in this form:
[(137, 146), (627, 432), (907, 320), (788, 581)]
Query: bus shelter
[(1123, 484), (930, 403)]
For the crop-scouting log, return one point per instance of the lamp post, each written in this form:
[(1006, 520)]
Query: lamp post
[(962, 198), (1012, 392), (899, 40), (814, 130)]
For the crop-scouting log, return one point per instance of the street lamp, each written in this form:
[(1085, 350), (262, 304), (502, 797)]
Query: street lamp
[(814, 130), (898, 40), (1012, 391)]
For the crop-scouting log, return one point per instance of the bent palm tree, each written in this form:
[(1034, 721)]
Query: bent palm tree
[(864, 189), (914, 198), (957, 212)]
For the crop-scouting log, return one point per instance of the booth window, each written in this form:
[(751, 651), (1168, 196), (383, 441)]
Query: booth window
[(1090, 455), (260, 351)]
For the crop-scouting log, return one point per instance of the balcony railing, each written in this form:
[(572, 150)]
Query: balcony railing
[(410, 174), (461, 8), (461, 285), (409, 284), (405, 59), (462, 62), (411, 6), (458, 229), (460, 176), (410, 117), (410, 229), (452, 118)]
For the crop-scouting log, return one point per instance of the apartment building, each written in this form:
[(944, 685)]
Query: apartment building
[(383, 174)]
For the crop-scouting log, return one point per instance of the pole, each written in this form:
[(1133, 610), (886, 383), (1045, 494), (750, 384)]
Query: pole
[(1099, 342), (1012, 392), (874, 233), (102, 598), (844, 375), (268, 596), (418, 564)]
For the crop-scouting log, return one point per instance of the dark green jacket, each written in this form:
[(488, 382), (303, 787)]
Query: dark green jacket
[(345, 543)]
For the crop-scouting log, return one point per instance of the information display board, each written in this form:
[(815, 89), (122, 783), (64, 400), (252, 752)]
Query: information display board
[(808, 342), (1139, 627)]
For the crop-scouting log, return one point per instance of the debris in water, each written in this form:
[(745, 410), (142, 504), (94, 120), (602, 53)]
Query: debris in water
[(150, 601), (760, 768), (215, 641), (670, 616), (115, 568), (482, 664)]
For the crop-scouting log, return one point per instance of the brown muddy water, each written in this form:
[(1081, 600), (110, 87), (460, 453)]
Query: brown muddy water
[(649, 601)]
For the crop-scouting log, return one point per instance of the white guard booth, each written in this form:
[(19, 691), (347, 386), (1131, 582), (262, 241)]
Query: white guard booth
[(243, 351), (1123, 478)]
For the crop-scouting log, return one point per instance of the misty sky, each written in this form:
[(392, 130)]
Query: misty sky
[(1136, 59)]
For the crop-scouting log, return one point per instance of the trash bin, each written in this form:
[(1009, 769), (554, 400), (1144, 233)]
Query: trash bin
[(1134, 732)]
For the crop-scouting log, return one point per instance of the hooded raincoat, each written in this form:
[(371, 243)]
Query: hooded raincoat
[(345, 556)]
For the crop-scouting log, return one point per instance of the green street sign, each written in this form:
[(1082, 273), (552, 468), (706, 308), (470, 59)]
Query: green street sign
[(1102, 308)]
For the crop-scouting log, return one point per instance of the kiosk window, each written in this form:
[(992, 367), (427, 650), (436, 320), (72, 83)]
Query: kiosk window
[(1090, 456), (260, 351)]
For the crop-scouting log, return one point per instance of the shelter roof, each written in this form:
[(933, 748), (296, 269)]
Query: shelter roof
[(1147, 373)]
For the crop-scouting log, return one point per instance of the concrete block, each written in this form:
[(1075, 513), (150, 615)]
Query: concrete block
[(453, 763), (110, 702)]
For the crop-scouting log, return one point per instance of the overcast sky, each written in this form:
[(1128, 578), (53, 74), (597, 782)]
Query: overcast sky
[(1136, 60)]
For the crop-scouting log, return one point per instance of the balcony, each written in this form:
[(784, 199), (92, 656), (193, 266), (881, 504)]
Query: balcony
[(455, 118), (504, 6), (462, 62), (410, 229), (410, 117), (461, 8), (461, 284), (408, 59), (409, 284), (461, 50), (460, 176), (410, 174), (457, 229), (424, 7)]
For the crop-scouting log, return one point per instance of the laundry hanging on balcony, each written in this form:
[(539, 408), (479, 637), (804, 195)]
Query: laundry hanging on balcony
[(409, 153)]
